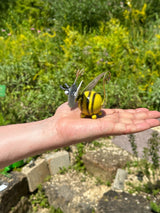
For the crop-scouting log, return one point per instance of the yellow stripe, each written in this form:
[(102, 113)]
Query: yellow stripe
[(91, 102), (86, 102)]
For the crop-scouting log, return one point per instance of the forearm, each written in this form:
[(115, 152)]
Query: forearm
[(23, 140)]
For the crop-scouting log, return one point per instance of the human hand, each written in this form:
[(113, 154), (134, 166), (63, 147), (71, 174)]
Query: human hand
[(66, 127), (73, 129)]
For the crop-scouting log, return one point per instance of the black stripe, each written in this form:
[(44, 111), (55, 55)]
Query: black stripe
[(93, 99), (87, 102), (81, 102)]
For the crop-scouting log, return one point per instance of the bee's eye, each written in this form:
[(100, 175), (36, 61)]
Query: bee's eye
[(66, 92)]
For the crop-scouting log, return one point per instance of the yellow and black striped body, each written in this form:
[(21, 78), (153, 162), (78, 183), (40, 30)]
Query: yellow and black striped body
[(90, 104)]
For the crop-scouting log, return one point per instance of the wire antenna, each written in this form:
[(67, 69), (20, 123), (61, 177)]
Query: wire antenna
[(106, 78)]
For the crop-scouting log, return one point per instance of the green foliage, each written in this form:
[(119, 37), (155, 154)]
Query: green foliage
[(43, 43), (63, 170), (146, 164), (79, 165), (132, 140), (48, 178), (85, 15), (153, 10), (123, 93), (29, 71), (149, 165), (154, 148), (99, 181), (97, 144), (154, 95), (36, 13), (3, 121), (108, 183), (155, 207), (99, 51), (54, 210), (39, 199)]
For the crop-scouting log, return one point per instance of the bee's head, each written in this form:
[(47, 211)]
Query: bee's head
[(66, 88)]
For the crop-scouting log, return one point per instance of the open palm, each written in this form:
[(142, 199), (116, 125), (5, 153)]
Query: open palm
[(73, 128)]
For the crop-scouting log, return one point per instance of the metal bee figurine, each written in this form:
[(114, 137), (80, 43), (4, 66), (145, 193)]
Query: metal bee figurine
[(89, 102)]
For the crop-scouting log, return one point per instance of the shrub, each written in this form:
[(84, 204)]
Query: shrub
[(35, 57), (123, 93), (153, 98), (29, 69), (36, 13), (85, 15)]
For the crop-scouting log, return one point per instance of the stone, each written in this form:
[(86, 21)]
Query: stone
[(17, 186), (119, 180), (45, 210), (122, 202), (36, 174), (103, 163), (141, 139), (57, 161), (73, 192), (64, 196)]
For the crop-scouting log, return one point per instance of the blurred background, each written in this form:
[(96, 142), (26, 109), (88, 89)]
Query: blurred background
[(44, 42)]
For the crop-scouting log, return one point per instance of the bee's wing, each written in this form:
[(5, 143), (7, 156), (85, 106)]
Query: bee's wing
[(93, 83), (78, 89)]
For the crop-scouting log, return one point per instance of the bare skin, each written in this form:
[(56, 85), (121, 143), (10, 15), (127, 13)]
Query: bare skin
[(66, 127)]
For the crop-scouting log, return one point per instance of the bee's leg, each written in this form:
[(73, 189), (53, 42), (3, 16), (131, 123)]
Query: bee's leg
[(100, 113), (83, 115), (94, 116)]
